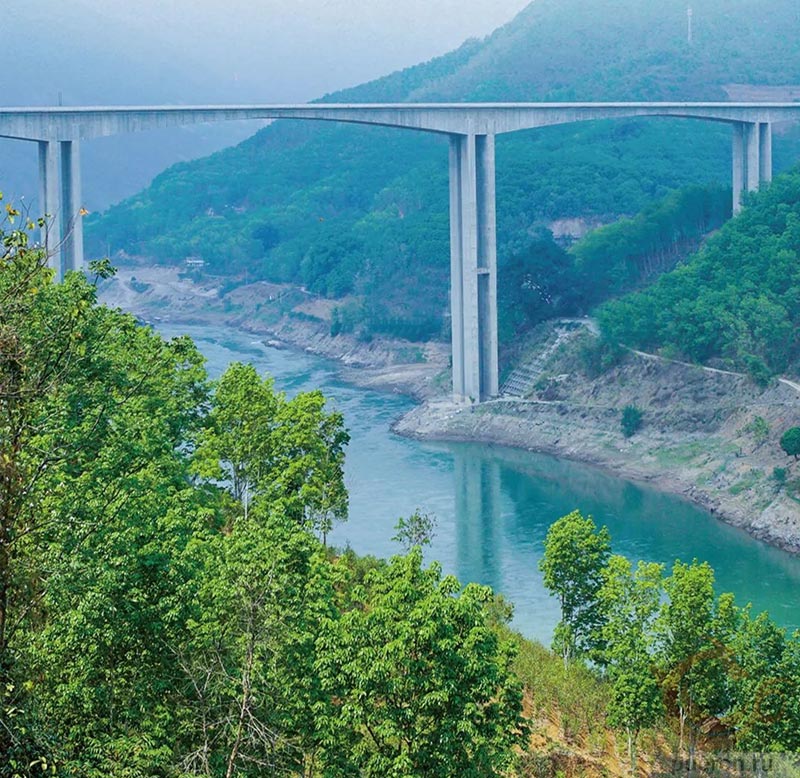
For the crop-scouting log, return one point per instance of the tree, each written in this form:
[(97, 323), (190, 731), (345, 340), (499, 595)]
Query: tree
[(790, 442), (307, 474), (236, 443), (575, 554), (253, 702), (416, 530), (703, 311), (631, 420), (421, 684), (273, 449), (630, 602), (97, 415), (766, 686), (688, 651), (536, 284)]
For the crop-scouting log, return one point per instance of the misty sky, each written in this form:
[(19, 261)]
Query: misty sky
[(260, 50), (145, 52)]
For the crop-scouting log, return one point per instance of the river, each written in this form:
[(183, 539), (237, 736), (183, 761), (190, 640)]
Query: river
[(493, 505)]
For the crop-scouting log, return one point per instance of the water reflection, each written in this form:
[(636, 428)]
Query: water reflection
[(507, 499), (478, 513)]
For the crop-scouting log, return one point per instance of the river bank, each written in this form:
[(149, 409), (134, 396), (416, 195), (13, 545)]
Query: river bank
[(708, 436), (284, 317)]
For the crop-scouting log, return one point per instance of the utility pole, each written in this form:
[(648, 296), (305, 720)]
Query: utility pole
[(690, 32)]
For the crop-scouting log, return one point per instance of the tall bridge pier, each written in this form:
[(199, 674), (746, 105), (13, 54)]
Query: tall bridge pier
[(752, 158), (471, 129), (60, 204), (473, 267)]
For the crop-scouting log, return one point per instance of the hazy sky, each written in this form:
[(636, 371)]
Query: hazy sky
[(257, 50), (141, 52)]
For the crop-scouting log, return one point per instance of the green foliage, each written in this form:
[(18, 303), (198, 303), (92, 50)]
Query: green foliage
[(688, 635), (165, 608), (599, 355), (779, 475), (417, 530), (790, 442), (421, 685), (578, 694), (237, 444), (96, 419), (736, 299), (251, 698), (622, 255), (629, 601), (536, 284), (672, 647), (759, 429), (631, 421), (267, 447), (575, 554), (766, 687)]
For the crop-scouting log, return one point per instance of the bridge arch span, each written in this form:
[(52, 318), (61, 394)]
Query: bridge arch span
[(471, 127)]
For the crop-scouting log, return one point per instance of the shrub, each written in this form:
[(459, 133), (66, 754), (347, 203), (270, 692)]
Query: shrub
[(759, 429), (779, 475), (757, 370), (631, 420), (600, 356), (790, 442)]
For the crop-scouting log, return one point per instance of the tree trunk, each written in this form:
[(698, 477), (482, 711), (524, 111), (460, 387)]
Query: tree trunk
[(245, 705), (632, 751)]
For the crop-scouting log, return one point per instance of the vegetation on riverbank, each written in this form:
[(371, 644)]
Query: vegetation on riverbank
[(734, 303), (167, 605), (670, 647)]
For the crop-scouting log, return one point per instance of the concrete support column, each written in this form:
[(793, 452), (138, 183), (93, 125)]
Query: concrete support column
[(456, 268), (765, 151), (473, 262), (752, 157), (738, 166), (50, 236), (487, 266), (71, 219)]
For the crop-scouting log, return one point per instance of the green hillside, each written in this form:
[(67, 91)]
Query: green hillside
[(357, 210), (736, 302)]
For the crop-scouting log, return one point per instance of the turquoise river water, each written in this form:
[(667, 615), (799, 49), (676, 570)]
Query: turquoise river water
[(493, 505)]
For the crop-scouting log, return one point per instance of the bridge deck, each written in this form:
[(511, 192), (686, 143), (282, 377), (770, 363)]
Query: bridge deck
[(76, 123)]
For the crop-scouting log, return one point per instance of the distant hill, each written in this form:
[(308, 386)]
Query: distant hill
[(363, 211)]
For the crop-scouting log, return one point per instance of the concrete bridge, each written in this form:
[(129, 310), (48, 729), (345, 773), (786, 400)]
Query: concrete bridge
[(471, 127)]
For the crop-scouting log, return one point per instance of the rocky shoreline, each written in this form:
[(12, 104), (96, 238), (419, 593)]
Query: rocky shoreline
[(538, 429), (708, 436)]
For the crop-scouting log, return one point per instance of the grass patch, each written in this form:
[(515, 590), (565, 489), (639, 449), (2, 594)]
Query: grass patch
[(578, 696), (681, 455), (748, 482)]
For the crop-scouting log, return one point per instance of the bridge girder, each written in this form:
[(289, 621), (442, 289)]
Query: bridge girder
[(471, 127)]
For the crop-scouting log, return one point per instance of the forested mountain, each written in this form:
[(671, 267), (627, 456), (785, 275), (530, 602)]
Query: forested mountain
[(348, 210)]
